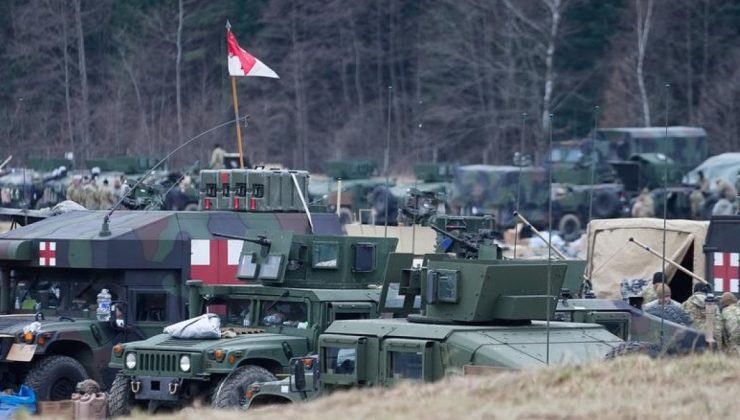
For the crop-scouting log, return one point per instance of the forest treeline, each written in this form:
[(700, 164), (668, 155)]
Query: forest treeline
[(449, 80)]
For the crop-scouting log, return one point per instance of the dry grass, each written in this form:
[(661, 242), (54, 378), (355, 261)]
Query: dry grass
[(635, 387)]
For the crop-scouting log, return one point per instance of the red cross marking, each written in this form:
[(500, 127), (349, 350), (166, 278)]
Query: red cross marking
[(47, 253), (215, 261), (726, 272)]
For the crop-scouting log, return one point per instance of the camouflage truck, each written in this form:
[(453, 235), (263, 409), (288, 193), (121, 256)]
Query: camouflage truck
[(572, 161), (362, 190), (482, 189), (52, 270), (298, 285)]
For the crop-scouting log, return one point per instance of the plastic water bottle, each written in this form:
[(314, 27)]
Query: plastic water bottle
[(104, 302), (17, 302)]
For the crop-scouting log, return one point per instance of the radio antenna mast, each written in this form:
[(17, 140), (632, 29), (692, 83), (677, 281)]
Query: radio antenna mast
[(665, 209), (520, 163), (549, 242)]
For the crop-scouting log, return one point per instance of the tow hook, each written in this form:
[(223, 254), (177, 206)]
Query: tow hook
[(135, 386), (173, 387)]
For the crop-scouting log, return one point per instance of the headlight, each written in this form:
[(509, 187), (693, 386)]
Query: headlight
[(131, 360), (185, 363)]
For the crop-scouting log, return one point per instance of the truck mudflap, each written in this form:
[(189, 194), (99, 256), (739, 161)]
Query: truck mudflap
[(158, 388)]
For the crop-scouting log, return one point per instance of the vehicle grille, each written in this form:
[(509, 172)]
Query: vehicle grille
[(158, 362)]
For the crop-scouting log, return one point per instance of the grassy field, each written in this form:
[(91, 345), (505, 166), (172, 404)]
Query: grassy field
[(629, 388)]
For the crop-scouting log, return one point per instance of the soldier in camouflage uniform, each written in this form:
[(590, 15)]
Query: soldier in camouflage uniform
[(695, 306), (74, 191), (649, 294), (731, 327)]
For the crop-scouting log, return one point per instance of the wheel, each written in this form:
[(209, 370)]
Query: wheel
[(230, 392), (634, 347), (120, 397), (54, 378), (606, 204), (570, 227)]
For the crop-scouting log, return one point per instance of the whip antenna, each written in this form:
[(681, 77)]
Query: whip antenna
[(549, 242), (665, 211), (593, 163), (386, 163), (520, 163), (105, 229)]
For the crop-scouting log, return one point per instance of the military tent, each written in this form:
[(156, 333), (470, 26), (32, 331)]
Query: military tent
[(613, 258)]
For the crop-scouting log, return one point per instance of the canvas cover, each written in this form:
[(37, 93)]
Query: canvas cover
[(612, 257)]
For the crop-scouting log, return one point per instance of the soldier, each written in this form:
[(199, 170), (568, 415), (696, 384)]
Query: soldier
[(90, 194), (667, 308), (726, 300), (731, 327), (649, 294), (726, 190), (106, 197), (217, 157), (74, 191), (644, 205), (695, 306)]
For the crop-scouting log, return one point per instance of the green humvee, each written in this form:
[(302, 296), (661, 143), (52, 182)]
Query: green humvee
[(300, 284)]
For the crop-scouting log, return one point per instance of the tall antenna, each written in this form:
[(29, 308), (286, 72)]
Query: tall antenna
[(549, 241), (386, 163), (520, 162), (593, 163), (665, 208)]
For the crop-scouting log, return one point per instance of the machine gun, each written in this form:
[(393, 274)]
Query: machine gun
[(469, 237)]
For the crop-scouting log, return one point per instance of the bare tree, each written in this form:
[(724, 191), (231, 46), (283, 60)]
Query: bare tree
[(644, 19), (178, 61), (84, 92)]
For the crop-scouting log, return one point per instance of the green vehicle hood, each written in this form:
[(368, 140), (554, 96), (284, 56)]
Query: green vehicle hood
[(14, 324), (164, 342)]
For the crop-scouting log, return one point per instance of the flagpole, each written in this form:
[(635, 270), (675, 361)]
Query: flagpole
[(236, 118)]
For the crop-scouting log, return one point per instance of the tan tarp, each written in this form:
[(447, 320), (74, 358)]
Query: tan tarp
[(612, 257), (424, 237)]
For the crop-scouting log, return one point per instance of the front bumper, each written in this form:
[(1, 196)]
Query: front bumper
[(159, 388)]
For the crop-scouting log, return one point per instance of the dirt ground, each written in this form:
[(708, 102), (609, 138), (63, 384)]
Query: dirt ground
[(629, 388)]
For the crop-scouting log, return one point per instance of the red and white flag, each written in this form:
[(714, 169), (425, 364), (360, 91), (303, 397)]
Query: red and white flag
[(242, 63)]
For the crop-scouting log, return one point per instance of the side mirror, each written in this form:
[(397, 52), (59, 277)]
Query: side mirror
[(118, 315), (297, 375)]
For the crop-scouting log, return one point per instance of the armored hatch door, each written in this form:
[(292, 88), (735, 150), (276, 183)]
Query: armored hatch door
[(265, 262)]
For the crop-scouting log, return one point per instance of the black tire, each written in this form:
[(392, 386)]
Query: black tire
[(120, 397), (54, 378), (606, 204), (634, 347), (229, 394), (570, 227)]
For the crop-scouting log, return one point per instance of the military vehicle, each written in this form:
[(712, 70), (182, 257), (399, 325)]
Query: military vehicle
[(297, 285), (492, 190), (478, 315), (620, 162), (52, 270), (722, 250)]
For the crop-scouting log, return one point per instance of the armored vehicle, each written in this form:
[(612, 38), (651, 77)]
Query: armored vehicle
[(52, 270), (478, 315), (297, 286)]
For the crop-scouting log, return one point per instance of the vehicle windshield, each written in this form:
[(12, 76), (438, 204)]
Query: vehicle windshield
[(60, 297), (566, 154), (233, 312), (283, 313)]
